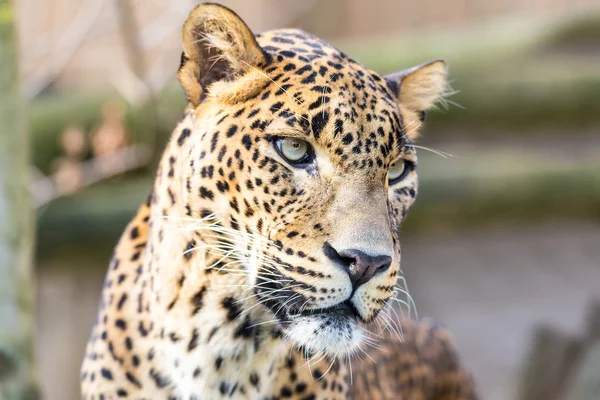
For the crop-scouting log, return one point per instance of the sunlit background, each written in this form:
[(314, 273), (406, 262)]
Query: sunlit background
[(505, 236)]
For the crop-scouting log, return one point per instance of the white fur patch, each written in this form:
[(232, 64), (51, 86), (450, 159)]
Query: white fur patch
[(326, 334)]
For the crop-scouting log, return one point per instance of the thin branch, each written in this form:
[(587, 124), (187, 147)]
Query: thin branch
[(71, 40), (44, 189), (138, 64)]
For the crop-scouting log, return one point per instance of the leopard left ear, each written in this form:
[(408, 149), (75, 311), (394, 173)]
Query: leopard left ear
[(418, 88), (217, 46)]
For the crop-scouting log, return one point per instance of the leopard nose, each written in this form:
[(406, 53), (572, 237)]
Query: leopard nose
[(361, 267)]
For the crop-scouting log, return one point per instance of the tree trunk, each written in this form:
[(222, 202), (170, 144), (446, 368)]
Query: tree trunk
[(16, 226)]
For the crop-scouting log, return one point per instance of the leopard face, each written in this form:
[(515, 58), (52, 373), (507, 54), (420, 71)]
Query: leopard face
[(301, 162)]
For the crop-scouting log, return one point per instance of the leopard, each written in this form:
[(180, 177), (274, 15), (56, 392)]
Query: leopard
[(265, 262)]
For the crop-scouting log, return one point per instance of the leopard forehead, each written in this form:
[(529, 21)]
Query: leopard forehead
[(313, 91)]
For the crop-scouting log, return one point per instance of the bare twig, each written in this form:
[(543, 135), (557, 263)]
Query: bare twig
[(71, 40), (169, 22), (563, 367), (138, 65), (126, 159)]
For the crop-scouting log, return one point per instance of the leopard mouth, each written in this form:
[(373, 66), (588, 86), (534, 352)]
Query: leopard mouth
[(333, 330), (343, 309)]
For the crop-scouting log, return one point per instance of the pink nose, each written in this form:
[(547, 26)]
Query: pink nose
[(361, 267)]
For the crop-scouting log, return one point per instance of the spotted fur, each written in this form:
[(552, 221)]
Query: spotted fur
[(231, 281)]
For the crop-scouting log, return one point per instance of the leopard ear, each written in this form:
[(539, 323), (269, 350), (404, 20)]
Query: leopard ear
[(217, 45), (418, 88)]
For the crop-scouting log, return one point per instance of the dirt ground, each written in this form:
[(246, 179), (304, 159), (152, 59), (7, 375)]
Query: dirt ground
[(490, 288)]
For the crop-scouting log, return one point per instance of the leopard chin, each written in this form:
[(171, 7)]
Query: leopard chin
[(334, 331)]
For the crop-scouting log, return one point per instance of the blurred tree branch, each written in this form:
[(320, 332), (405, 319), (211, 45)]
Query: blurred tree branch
[(138, 66), (76, 174), (118, 162), (561, 367), (70, 41), (16, 227)]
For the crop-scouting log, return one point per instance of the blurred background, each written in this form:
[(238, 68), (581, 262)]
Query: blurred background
[(503, 245)]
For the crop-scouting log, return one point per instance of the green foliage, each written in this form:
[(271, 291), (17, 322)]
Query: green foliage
[(578, 34), (516, 77), (51, 114)]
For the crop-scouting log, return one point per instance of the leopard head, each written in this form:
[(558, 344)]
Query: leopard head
[(302, 160)]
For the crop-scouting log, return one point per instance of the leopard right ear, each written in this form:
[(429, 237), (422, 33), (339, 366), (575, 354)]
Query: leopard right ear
[(217, 45)]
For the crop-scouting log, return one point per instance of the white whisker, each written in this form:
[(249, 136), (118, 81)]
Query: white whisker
[(442, 154)]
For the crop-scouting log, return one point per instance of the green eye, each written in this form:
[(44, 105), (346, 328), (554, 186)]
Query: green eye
[(295, 151), (398, 170)]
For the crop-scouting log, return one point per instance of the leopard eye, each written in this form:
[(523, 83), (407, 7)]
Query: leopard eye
[(295, 151), (398, 170)]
